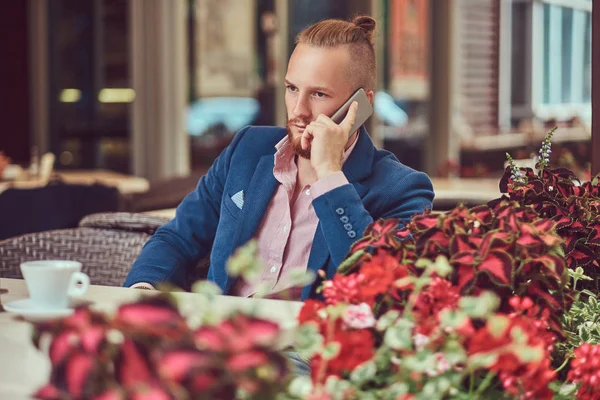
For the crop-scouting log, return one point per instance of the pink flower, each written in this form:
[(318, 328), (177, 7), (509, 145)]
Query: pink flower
[(359, 316), (584, 370), (420, 341), (441, 365)]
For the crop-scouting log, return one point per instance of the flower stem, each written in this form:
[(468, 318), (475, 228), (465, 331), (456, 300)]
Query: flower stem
[(564, 364), (486, 382), (472, 383)]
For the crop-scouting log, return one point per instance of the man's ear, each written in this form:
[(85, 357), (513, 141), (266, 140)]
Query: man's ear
[(371, 96)]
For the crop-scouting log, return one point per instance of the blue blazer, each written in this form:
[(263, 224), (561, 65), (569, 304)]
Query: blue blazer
[(210, 221)]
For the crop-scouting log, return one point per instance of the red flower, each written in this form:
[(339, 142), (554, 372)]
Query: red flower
[(343, 288), (357, 346), (378, 276), (585, 369), (528, 379), (309, 311), (439, 295)]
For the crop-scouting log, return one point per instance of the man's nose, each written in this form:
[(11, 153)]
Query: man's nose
[(301, 108)]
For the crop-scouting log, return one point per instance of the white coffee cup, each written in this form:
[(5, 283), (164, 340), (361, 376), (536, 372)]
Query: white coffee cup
[(51, 282)]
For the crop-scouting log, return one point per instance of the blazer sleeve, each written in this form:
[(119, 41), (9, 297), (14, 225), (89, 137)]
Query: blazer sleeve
[(343, 217), (178, 245)]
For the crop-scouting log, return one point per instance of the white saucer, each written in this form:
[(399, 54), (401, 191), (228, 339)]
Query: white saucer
[(28, 309)]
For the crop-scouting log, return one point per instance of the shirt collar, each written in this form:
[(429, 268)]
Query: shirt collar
[(285, 151)]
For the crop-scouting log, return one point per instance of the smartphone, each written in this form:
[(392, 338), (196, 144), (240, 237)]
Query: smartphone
[(365, 110)]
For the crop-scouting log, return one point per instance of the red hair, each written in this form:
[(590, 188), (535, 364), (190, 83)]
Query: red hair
[(357, 35)]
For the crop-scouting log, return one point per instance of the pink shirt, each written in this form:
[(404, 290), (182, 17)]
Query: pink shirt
[(285, 223), (286, 232)]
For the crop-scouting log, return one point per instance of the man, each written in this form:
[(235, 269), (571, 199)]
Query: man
[(307, 195)]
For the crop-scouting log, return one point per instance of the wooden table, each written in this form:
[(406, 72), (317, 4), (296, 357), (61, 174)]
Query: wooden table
[(465, 190), (126, 184), (23, 369)]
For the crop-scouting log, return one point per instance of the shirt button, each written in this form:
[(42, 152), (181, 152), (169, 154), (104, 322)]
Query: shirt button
[(307, 192), (273, 269), (285, 228)]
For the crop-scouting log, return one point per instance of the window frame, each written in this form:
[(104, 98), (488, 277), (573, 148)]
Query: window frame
[(533, 95)]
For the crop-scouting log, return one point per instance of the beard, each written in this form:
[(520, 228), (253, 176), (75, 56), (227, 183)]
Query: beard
[(296, 141)]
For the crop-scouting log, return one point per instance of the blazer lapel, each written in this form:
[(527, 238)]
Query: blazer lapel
[(257, 197)]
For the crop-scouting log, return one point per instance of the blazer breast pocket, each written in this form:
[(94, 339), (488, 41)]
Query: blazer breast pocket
[(233, 204)]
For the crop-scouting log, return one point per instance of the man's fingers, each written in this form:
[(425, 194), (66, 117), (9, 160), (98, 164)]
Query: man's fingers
[(348, 121), (306, 137), (324, 120)]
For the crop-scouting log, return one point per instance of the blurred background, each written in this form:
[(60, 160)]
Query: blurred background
[(144, 94)]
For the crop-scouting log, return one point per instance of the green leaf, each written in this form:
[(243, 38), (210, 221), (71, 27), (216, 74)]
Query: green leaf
[(568, 389), (453, 319), (367, 395), (442, 266), (529, 354), (363, 373), (386, 320), (308, 340), (246, 263), (497, 325), (301, 278), (518, 335), (395, 390), (347, 265), (454, 352), (331, 350), (434, 389), (398, 336), (337, 387), (300, 387), (482, 360), (481, 306)]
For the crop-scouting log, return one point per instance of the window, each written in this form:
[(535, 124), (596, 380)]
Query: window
[(551, 59)]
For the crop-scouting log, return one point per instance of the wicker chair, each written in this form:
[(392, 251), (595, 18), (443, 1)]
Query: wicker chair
[(106, 244)]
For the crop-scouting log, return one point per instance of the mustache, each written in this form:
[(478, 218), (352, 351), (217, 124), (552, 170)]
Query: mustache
[(298, 121)]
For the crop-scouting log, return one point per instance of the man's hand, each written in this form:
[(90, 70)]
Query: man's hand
[(327, 140)]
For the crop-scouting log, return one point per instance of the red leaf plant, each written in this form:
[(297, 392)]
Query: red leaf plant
[(507, 250), (147, 351), (557, 195)]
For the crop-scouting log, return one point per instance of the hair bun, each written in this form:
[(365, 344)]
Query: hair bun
[(366, 23)]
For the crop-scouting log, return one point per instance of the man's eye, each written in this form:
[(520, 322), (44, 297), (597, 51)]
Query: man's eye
[(320, 94), (292, 88)]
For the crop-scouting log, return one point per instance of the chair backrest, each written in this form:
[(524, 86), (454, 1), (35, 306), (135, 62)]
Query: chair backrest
[(54, 206), (106, 244), (106, 255)]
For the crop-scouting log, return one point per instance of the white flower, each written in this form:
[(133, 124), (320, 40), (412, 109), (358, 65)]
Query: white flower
[(550, 188), (115, 336), (420, 341), (359, 316), (441, 365)]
